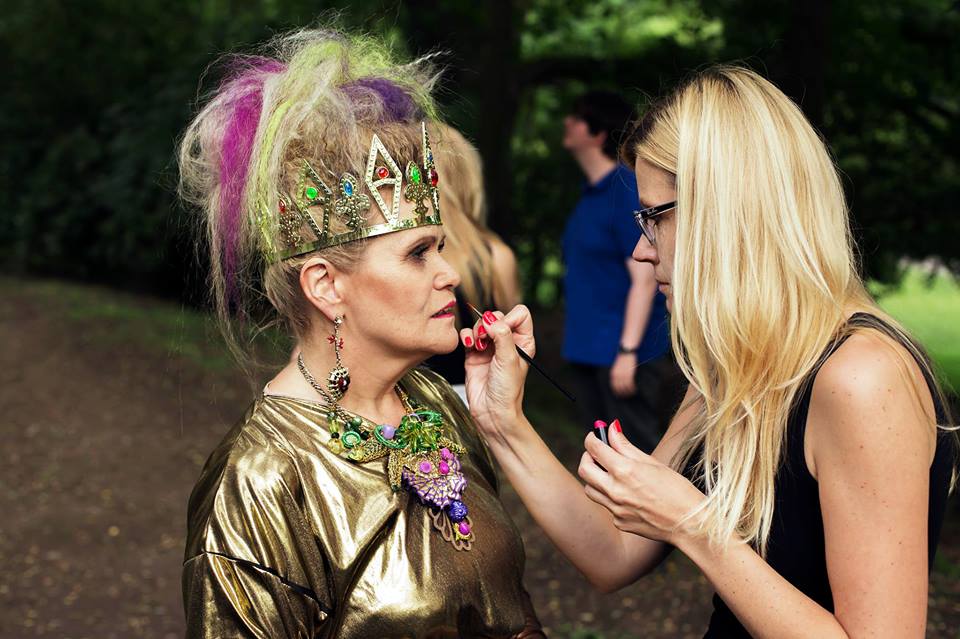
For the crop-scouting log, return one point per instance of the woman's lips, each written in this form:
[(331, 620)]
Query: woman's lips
[(446, 311)]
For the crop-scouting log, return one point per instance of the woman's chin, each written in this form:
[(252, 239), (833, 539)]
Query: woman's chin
[(443, 341), (449, 342)]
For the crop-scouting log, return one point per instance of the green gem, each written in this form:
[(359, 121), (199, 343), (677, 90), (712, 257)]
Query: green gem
[(350, 439), (312, 192), (415, 174), (356, 422)]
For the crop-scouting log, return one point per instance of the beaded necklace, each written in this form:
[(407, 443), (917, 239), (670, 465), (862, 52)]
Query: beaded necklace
[(420, 457)]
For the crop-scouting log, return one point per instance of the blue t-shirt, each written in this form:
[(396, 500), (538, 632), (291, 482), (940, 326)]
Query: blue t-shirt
[(599, 238)]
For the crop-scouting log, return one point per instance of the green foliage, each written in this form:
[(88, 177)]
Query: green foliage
[(89, 131), (89, 120), (615, 28), (884, 92)]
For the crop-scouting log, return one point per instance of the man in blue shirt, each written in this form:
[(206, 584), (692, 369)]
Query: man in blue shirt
[(616, 332)]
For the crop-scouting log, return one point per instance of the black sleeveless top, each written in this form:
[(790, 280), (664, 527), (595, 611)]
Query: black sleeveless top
[(795, 548)]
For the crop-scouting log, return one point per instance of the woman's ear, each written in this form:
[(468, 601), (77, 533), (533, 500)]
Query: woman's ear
[(318, 281)]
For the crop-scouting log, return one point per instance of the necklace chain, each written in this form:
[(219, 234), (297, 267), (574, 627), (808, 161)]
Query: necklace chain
[(333, 405)]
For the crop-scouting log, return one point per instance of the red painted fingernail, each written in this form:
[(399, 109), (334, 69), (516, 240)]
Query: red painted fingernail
[(481, 344), (616, 424), (468, 341), (489, 317), (599, 424), (481, 331)]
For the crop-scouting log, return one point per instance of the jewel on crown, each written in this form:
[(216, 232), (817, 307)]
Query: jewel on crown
[(313, 203)]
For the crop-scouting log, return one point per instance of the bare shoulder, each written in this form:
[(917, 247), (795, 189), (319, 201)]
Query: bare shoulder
[(869, 398), (502, 254), (505, 269), (866, 371)]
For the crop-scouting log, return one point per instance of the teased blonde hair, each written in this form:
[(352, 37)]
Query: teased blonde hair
[(764, 276)]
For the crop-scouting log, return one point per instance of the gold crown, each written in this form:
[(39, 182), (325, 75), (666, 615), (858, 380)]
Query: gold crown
[(313, 204)]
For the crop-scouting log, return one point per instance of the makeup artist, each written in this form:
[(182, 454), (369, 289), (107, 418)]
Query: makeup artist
[(804, 398)]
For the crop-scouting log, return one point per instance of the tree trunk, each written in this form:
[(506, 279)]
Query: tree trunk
[(806, 52)]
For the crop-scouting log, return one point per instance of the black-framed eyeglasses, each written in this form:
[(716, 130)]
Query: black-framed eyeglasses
[(643, 217)]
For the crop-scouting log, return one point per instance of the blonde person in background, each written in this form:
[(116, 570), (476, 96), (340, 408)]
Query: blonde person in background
[(487, 266), (807, 471)]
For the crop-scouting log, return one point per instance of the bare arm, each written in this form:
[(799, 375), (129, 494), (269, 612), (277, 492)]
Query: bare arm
[(636, 316), (581, 529), (506, 272), (643, 287)]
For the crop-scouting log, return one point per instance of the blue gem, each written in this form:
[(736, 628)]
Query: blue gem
[(458, 511), (348, 188)]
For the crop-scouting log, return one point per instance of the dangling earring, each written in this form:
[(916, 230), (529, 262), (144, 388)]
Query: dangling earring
[(339, 379)]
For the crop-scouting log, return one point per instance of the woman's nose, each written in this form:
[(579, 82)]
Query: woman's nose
[(448, 277), (644, 251)]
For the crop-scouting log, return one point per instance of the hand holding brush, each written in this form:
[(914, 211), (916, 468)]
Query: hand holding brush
[(488, 318)]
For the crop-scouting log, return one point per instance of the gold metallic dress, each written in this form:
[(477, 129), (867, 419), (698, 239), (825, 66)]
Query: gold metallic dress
[(288, 539)]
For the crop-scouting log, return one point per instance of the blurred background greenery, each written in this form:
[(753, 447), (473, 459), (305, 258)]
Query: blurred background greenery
[(97, 92)]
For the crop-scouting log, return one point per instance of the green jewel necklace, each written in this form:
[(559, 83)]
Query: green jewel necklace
[(420, 457)]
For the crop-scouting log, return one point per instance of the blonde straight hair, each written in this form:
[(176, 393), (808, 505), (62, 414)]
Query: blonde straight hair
[(464, 207), (764, 275)]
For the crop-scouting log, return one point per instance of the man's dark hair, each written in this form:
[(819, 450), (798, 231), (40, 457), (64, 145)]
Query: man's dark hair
[(606, 112)]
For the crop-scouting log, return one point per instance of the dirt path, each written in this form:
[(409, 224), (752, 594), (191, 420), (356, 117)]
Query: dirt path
[(110, 406)]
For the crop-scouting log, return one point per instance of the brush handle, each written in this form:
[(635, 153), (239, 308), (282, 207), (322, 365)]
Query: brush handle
[(529, 360)]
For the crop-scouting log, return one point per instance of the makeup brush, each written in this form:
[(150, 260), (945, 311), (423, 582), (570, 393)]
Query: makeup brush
[(529, 360)]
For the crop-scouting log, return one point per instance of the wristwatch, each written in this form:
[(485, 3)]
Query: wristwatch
[(623, 350)]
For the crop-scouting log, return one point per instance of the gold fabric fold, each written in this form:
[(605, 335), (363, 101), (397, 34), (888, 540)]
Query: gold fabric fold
[(287, 539)]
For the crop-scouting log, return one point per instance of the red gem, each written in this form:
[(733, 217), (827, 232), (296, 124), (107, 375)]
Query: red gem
[(434, 178), (343, 383), (283, 207), (382, 172)]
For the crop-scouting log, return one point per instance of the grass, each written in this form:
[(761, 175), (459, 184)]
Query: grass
[(115, 320), (929, 307)]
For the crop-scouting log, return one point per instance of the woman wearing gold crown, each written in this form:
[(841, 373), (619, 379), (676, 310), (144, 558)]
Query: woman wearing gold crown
[(354, 498)]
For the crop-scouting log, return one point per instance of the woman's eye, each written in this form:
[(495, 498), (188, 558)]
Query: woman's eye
[(420, 251), (442, 245)]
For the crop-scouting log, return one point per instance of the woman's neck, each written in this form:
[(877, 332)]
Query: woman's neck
[(594, 164), (373, 378)]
